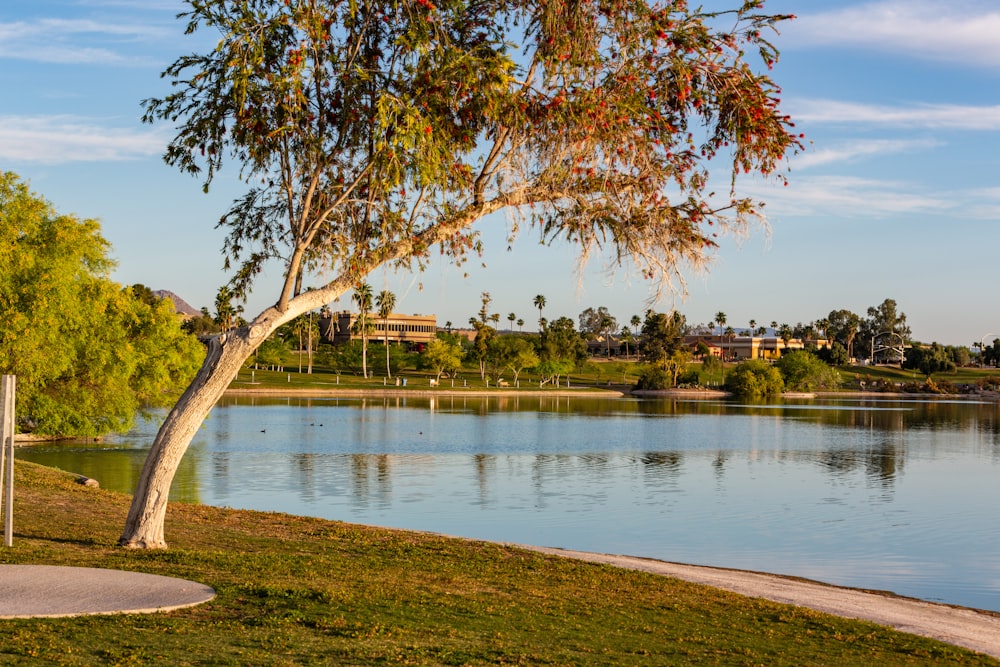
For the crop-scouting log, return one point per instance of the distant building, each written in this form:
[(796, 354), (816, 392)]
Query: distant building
[(414, 331), (738, 348)]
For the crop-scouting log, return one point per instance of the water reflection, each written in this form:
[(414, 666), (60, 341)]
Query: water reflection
[(895, 495)]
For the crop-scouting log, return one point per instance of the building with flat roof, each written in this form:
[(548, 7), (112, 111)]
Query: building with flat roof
[(414, 331)]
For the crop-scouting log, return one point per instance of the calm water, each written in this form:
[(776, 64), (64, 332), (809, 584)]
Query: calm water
[(900, 496)]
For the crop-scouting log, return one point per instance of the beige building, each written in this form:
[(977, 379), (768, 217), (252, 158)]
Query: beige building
[(411, 330), (738, 348)]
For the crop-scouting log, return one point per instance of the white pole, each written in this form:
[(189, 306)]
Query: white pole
[(7, 386)]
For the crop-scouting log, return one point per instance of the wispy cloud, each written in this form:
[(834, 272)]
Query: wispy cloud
[(66, 139), (78, 41), (935, 116), (856, 150), (852, 197), (958, 31)]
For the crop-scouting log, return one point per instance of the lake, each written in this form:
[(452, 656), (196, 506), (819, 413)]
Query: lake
[(898, 495)]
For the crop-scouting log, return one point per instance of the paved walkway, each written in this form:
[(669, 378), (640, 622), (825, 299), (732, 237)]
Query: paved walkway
[(961, 626), (28, 591)]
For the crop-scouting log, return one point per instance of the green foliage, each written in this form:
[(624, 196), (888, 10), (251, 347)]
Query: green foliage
[(443, 355), (653, 378), (802, 370), (87, 353), (754, 379), (399, 358), (662, 337), (202, 324), (562, 344), (511, 353), (272, 354), (836, 355), (934, 358), (347, 357)]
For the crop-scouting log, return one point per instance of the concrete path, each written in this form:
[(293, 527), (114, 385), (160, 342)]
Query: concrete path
[(961, 626), (28, 591)]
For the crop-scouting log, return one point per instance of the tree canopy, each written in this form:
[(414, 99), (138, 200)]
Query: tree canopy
[(368, 133), (87, 353)]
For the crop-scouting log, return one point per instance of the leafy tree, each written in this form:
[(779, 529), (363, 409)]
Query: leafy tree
[(202, 324), (385, 302), (88, 354), (561, 349), (513, 353), (442, 356), (484, 335), (835, 355), (596, 323), (711, 367), (802, 370), (930, 359), (369, 132), (755, 379), (652, 378), (271, 354), (990, 354), (662, 335), (843, 327), (885, 328)]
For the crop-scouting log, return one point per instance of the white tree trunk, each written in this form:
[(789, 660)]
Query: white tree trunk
[(226, 354)]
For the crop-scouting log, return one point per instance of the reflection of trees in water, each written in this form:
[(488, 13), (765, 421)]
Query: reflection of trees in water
[(719, 464), (882, 463), (485, 468), (371, 477), (663, 461), (305, 464)]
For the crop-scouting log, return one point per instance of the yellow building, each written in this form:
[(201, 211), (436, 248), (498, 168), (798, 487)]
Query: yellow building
[(738, 348)]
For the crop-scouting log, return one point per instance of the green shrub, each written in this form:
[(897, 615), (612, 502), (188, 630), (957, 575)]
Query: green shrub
[(804, 371), (755, 379), (654, 377)]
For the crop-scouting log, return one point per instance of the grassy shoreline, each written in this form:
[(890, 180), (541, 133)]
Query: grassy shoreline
[(297, 590)]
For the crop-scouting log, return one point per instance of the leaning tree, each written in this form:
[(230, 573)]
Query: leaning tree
[(368, 133)]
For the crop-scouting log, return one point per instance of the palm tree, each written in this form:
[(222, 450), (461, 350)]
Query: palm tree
[(729, 332), (539, 304), (785, 332), (385, 301), (627, 337), (720, 320), (753, 327), (363, 297), (520, 324), (510, 318), (447, 325), (636, 323)]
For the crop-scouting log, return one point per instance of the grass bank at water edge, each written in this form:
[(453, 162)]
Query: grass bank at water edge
[(295, 590)]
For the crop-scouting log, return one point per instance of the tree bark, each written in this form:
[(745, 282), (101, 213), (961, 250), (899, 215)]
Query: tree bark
[(226, 354)]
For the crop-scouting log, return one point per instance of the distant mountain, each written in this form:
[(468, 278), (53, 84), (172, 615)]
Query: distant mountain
[(180, 305)]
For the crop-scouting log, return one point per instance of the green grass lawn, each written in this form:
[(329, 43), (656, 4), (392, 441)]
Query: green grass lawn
[(294, 590)]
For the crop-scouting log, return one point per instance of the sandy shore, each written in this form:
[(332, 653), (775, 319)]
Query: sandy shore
[(961, 626)]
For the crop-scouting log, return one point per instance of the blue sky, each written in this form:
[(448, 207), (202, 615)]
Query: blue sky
[(897, 195)]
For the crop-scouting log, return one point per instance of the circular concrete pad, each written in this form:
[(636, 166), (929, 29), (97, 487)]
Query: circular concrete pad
[(28, 591)]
